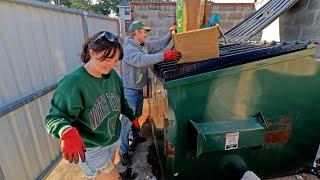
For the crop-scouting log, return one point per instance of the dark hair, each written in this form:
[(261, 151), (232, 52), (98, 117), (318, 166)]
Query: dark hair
[(98, 45)]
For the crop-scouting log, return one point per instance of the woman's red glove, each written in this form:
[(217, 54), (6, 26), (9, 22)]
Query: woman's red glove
[(72, 146)]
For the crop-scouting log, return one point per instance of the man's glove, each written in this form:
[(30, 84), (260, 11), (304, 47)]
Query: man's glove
[(171, 55), (135, 124), (72, 146)]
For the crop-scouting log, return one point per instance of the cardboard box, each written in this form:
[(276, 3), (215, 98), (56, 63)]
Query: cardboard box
[(197, 45), (190, 14)]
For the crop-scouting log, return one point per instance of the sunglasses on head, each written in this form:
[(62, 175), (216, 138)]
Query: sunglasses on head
[(111, 37)]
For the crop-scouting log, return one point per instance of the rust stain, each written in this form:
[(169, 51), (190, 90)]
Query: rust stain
[(280, 136), (169, 150), (285, 121)]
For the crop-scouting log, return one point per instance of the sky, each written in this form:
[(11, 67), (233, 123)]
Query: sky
[(218, 1), (233, 1)]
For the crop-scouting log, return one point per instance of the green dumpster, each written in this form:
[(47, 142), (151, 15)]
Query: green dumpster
[(256, 106)]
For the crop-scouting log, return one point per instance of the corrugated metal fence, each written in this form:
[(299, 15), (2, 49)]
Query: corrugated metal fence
[(39, 43)]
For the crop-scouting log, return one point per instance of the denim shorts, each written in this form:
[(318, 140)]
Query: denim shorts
[(99, 159)]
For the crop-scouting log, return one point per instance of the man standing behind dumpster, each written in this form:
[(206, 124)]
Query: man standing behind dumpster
[(140, 54)]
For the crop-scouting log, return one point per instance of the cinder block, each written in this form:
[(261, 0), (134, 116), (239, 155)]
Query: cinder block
[(313, 5), (228, 7), (226, 25), (223, 15), (162, 8), (300, 6), (305, 18), (245, 7), (310, 32), (289, 33), (147, 23), (141, 8), (286, 20), (168, 8), (156, 23), (215, 8), (166, 14), (144, 16), (154, 7), (236, 22), (169, 21), (247, 14), (249, 8), (317, 20), (171, 8), (162, 32), (153, 38), (153, 32), (150, 13), (235, 15)]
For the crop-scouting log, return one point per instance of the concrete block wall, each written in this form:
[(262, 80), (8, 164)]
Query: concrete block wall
[(160, 15), (232, 13), (157, 15), (301, 22)]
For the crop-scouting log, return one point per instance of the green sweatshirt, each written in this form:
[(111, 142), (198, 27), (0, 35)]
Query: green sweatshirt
[(92, 105)]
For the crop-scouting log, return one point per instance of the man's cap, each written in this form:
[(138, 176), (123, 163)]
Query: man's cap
[(138, 25)]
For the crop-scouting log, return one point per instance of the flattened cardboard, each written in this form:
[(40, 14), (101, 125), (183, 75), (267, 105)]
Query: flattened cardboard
[(197, 45)]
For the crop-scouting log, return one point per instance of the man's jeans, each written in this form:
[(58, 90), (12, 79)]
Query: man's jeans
[(134, 98)]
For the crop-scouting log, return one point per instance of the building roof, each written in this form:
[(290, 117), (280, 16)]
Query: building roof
[(123, 3)]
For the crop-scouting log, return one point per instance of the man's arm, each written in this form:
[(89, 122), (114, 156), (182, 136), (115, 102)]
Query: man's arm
[(158, 45), (139, 59)]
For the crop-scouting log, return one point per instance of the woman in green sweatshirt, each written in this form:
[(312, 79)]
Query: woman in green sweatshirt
[(86, 106)]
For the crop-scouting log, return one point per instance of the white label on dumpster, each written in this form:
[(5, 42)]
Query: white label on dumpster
[(232, 140)]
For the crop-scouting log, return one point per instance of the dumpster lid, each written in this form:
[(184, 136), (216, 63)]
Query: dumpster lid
[(259, 20), (230, 55)]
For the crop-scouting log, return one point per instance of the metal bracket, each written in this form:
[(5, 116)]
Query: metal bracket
[(262, 119)]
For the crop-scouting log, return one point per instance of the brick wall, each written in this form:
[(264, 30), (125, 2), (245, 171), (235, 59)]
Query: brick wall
[(160, 15), (232, 13), (157, 15), (301, 22)]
